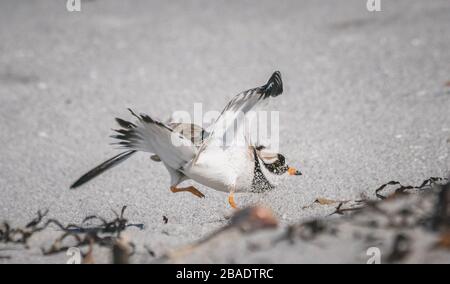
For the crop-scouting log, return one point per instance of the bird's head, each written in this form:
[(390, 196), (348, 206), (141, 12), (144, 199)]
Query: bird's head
[(275, 163)]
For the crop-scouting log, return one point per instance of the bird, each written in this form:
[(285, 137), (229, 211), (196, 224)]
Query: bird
[(210, 158)]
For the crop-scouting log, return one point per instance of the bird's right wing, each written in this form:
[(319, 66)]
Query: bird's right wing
[(233, 115)]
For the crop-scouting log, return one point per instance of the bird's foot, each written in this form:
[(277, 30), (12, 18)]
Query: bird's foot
[(190, 189), (231, 200)]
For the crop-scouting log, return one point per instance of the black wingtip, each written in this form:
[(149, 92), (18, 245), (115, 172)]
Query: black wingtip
[(125, 124), (75, 184), (79, 182), (102, 168), (274, 86), (82, 180)]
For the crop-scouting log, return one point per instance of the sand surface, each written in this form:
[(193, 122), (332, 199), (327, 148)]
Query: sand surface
[(366, 100)]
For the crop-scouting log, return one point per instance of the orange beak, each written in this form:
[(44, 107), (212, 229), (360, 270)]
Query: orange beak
[(294, 172)]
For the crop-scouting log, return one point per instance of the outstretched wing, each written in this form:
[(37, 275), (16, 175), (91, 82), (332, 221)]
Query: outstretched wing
[(149, 135), (173, 147), (230, 121)]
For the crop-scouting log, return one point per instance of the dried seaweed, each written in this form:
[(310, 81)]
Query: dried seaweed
[(8, 234), (402, 189), (116, 226), (340, 211), (107, 234), (323, 201)]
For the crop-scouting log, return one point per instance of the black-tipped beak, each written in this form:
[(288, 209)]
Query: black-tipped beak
[(294, 172)]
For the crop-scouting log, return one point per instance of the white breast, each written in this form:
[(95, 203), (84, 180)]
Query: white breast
[(223, 169)]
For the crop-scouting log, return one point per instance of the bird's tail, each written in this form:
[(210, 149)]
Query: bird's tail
[(114, 161)]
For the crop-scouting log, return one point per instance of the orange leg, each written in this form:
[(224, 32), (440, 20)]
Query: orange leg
[(231, 200), (190, 189)]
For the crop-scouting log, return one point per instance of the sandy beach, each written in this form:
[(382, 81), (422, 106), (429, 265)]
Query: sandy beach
[(366, 101)]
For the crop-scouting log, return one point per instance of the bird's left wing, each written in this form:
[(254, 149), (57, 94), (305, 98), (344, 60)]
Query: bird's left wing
[(174, 147), (153, 136)]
